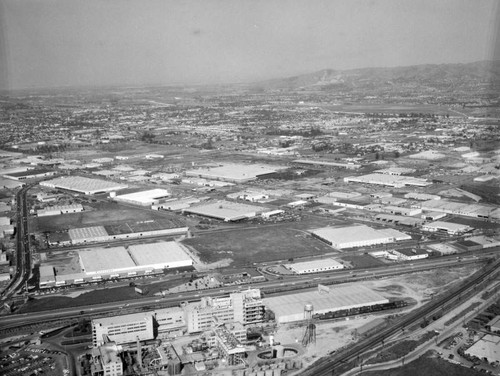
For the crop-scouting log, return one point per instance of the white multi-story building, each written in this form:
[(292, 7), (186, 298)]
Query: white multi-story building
[(245, 307), (122, 329)]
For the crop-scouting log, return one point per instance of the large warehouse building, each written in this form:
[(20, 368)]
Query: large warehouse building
[(226, 210), (95, 264), (460, 208), (315, 266), (83, 185), (289, 308), (395, 181), (160, 255), (144, 198), (234, 173), (357, 236), (109, 262)]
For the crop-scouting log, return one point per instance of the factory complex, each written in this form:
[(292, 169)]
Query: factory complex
[(459, 208), (234, 173), (358, 236), (226, 210), (117, 262), (245, 307), (83, 185), (289, 308)]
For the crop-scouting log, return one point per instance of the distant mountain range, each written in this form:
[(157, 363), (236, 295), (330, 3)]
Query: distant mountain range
[(430, 78)]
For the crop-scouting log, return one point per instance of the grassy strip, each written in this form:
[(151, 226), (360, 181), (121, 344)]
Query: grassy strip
[(400, 349), (426, 365)]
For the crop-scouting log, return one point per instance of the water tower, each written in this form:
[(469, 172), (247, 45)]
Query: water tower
[(310, 331)]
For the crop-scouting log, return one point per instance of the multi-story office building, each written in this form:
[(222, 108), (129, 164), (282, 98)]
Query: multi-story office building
[(245, 307)]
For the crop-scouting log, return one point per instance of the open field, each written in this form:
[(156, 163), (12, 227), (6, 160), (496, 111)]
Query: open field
[(106, 214), (256, 244), (83, 300), (362, 261)]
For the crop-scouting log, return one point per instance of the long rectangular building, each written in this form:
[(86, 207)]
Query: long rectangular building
[(144, 198), (226, 210), (289, 308), (122, 329), (235, 173), (162, 255), (83, 185), (357, 236), (395, 181)]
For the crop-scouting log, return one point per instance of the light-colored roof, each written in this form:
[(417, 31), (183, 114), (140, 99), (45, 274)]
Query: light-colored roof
[(315, 264), (447, 225), (82, 184), (487, 347), (385, 179), (233, 171), (339, 297), (106, 260), (144, 196), (156, 253), (87, 233), (123, 319), (340, 235), (226, 210)]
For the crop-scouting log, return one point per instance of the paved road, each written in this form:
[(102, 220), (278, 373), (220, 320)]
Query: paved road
[(293, 283)]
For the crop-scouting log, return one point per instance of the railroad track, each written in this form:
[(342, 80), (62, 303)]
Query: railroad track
[(343, 361)]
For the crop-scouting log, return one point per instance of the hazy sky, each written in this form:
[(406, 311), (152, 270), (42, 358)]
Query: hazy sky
[(47, 43)]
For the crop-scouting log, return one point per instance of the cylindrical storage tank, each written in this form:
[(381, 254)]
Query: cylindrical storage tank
[(112, 194), (280, 351), (308, 307)]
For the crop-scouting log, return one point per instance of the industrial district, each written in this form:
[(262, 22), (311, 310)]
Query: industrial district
[(236, 231)]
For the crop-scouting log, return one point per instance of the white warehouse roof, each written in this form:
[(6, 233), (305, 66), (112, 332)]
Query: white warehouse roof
[(352, 236), (160, 255), (83, 185), (289, 308), (144, 197), (106, 260), (315, 266), (226, 210)]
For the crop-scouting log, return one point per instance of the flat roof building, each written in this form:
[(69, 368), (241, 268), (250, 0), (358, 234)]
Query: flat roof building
[(315, 266), (226, 210), (447, 227), (289, 308), (122, 329), (99, 261), (163, 255), (459, 208), (83, 185), (355, 236), (144, 198), (60, 209), (388, 180), (487, 348), (235, 173), (245, 307), (88, 234)]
